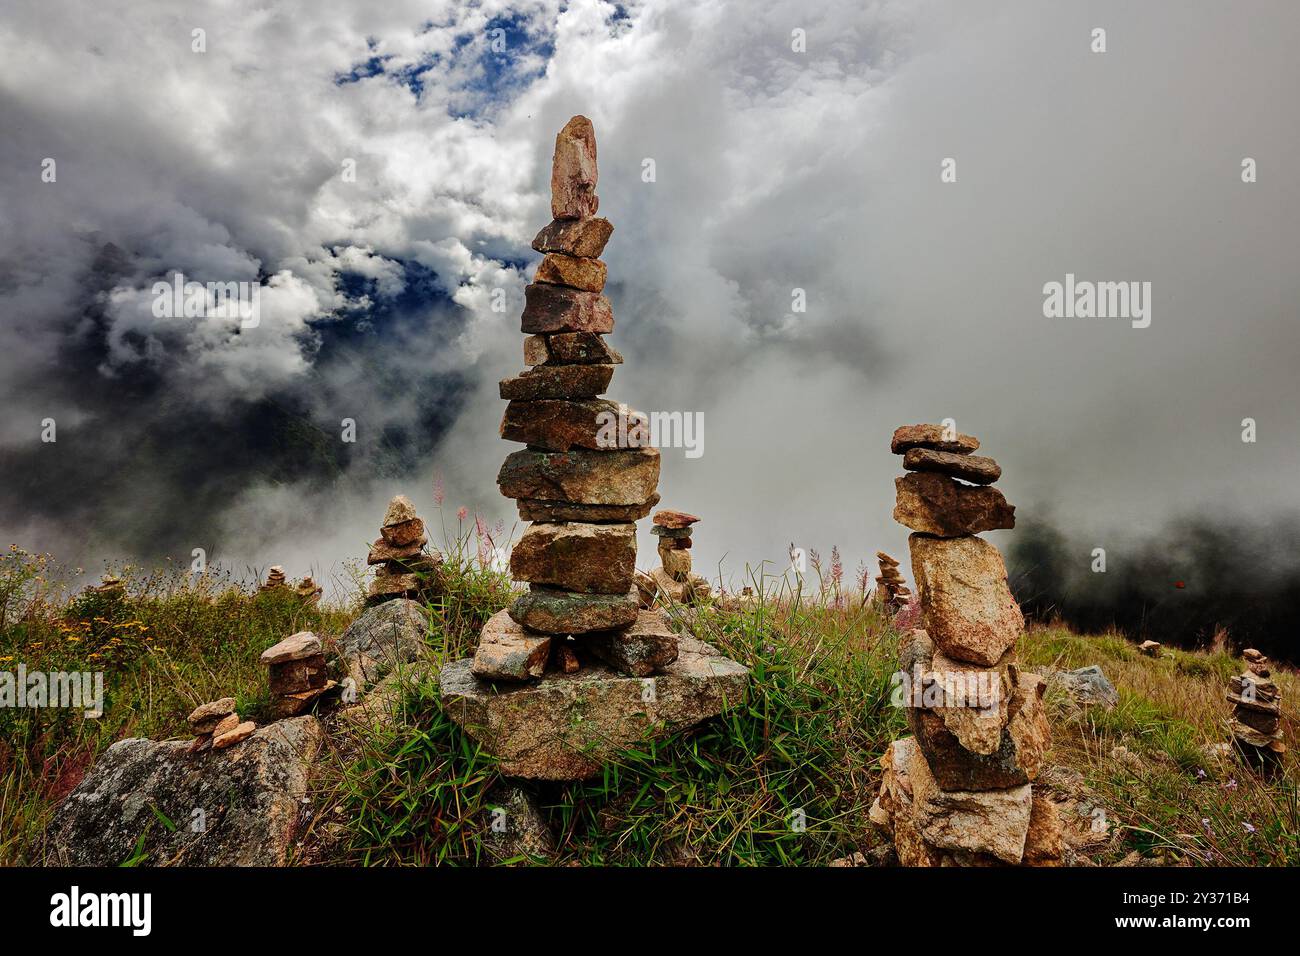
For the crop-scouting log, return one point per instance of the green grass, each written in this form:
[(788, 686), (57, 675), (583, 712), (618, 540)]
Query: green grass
[(1171, 801), (783, 778), (174, 643)]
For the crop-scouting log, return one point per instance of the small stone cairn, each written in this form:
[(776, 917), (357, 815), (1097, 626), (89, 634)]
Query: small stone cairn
[(110, 586), (309, 590), (403, 567), (275, 579), (958, 791), (891, 590), (1256, 723), (1150, 648), (298, 673), (216, 725), (673, 580)]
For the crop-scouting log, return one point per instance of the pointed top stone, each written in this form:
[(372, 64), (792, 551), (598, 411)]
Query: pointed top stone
[(399, 509), (573, 171)]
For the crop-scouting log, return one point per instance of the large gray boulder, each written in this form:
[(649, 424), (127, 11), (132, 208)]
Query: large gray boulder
[(567, 726), (1086, 687), (234, 807), (384, 636)]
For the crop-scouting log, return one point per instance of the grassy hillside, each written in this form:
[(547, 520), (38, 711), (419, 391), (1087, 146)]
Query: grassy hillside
[(805, 745)]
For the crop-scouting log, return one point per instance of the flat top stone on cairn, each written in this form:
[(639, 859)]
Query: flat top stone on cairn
[(293, 648), (667, 518), (577, 642), (934, 437), (211, 712)]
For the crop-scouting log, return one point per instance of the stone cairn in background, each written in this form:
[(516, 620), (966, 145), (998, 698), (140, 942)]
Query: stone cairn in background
[(217, 725), (958, 791), (298, 673), (110, 586), (673, 581), (1256, 724), (403, 568), (1150, 648), (891, 590), (309, 590), (575, 669), (274, 579), (586, 475)]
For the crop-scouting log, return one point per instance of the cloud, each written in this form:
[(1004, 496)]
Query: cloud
[(774, 171)]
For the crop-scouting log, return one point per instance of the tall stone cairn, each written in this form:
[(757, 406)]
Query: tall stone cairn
[(958, 792), (1256, 724), (587, 473)]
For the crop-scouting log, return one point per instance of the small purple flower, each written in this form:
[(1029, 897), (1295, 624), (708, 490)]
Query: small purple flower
[(1249, 828), (1200, 774), (1231, 784)]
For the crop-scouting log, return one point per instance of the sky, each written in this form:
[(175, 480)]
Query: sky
[(794, 147)]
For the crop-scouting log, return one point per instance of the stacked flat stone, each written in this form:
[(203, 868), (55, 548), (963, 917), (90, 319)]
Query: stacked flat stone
[(1256, 724), (274, 579), (891, 589), (587, 473), (298, 673), (1150, 648), (959, 790), (403, 566), (216, 724)]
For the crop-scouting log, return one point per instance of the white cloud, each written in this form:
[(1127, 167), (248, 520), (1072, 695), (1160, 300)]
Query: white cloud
[(775, 170)]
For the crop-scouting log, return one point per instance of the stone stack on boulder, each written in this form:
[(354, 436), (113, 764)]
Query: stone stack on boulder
[(403, 566), (274, 579), (575, 668), (309, 590), (891, 590), (587, 474), (297, 672), (216, 725), (959, 790), (1256, 724), (673, 581)]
